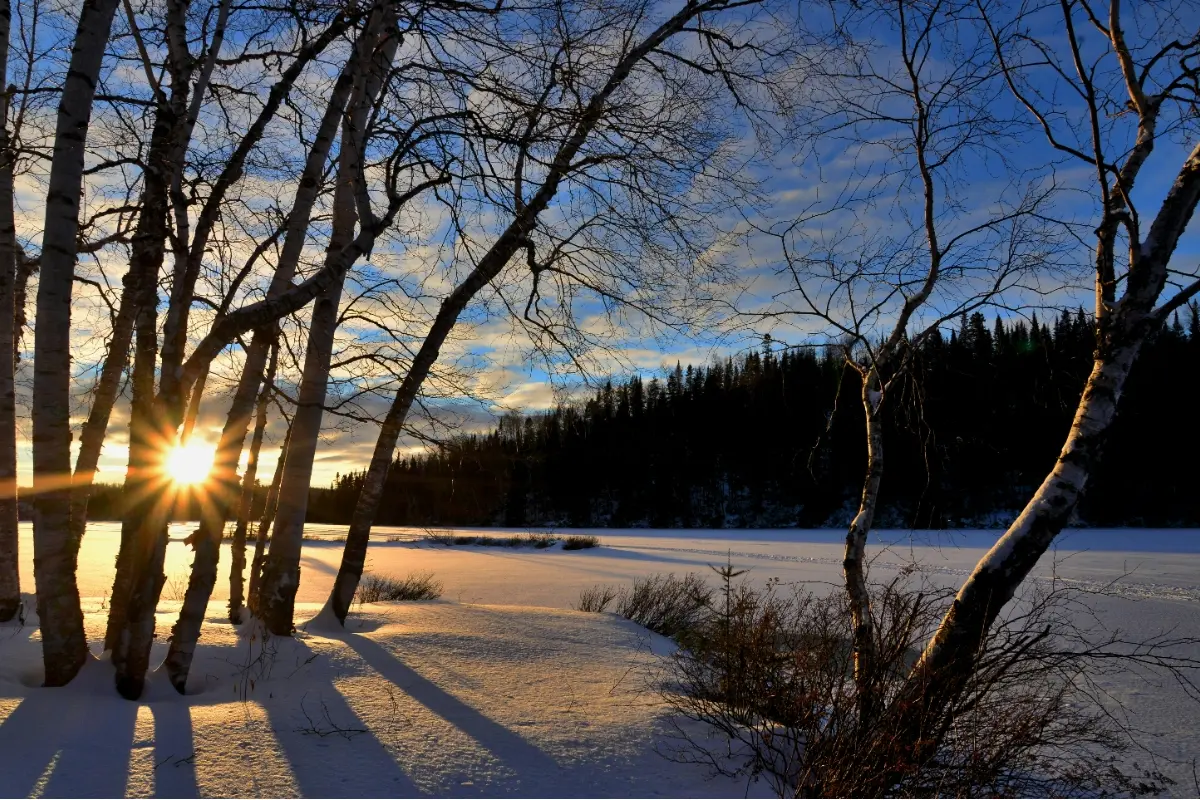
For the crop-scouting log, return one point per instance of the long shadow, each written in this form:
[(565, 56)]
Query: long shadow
[(174, 751), (518, 754), (85, 739), (318, 565), (331, 750), (631, 553), (586, 566)]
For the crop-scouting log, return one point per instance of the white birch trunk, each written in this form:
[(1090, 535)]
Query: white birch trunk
[(64, 646), (283, 563), (854, 564), (261, 538), (276, 592), (237, 568), (10, 574)]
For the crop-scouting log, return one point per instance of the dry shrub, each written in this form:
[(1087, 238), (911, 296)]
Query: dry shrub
[(439, 537), (771, 673), (539, 541), (174, 588), (317, 537), (383, 588), (665, 604), (596, 599)]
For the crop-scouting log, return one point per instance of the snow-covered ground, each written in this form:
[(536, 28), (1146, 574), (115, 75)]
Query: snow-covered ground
[(497, 689)]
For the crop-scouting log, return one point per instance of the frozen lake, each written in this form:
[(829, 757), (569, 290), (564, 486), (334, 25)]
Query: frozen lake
[(1158, 565)]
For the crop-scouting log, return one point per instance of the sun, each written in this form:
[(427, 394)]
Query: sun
[(190, 463)]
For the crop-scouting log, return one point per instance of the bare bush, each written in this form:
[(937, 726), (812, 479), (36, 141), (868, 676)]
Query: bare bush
[(383, 588), (580, 542), (771, 672), (175, 588), (439, 537), (596, 599), (665, 604), (540, 540)]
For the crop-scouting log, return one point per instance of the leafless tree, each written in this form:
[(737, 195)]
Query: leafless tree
[(886, 251), (611, 114), (1127, 96), (63, 642), (1107, 105), (10, 578), (374, 52), (767, 670)]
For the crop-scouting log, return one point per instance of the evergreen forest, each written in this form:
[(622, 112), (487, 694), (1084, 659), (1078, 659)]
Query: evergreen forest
[(774, 439)]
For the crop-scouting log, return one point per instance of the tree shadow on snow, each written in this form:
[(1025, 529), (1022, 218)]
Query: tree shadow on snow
[(318, 565), (78, 743), (331, 750), (525, 759), (174, 751)]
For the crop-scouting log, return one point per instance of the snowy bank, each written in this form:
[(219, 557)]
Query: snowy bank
[(414, 699)]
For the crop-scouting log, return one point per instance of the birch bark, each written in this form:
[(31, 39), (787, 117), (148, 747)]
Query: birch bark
[(64, 646), (278, 591), (283, 562), (237, 569), (10, 574), (222, 485), (854, 565), (261, 540)]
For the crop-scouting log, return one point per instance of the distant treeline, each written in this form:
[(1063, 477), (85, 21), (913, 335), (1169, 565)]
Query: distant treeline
[(766, 440)]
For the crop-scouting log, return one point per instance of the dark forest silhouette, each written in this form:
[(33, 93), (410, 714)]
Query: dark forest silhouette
[(742, 443), (745, 443)]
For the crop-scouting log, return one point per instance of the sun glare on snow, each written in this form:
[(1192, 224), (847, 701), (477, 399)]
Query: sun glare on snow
[(190, 463)]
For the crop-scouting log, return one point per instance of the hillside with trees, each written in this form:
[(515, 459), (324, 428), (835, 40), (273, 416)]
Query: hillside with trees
[(765, 440)]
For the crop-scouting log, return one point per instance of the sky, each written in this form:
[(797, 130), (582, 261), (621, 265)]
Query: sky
[(846, 197)]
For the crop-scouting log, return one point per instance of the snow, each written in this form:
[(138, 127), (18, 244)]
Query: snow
[(497, 689)]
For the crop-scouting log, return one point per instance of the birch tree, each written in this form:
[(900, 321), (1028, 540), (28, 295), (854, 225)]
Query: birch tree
[(1070, 93), (64, 645), (594, 88), (352, 101), (10, 577), (904, 242), (155, 415), (1153, 78), (237, 569)]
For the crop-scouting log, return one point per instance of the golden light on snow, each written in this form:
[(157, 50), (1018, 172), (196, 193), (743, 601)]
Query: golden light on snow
[(190, 463)]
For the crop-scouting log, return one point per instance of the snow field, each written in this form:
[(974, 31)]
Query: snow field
[(497, 689)]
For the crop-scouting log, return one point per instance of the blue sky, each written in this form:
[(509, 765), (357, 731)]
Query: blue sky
[(797, 179)]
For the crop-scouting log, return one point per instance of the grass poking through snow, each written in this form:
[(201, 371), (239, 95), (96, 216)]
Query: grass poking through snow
[(538, 541), (384, 588), (665, 604), (580, 542)]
